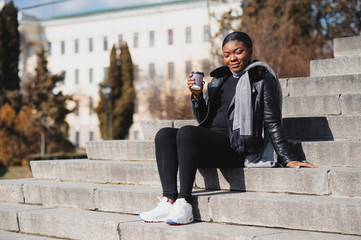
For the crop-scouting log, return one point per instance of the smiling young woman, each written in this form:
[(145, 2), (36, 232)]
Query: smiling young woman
[(244, 100), (236, 55)]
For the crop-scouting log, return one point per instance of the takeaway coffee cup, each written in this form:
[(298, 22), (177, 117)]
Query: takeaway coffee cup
[(198, 79)]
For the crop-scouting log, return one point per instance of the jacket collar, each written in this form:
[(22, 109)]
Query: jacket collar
[(256, 73), (221, 72), (224, 71)]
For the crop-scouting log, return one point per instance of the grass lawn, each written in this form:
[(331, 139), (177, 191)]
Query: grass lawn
[(15, 172)]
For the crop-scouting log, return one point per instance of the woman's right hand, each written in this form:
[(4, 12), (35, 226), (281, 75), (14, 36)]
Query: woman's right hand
[(196, 93)]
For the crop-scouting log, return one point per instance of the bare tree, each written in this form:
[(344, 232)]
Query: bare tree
[(169, 104)]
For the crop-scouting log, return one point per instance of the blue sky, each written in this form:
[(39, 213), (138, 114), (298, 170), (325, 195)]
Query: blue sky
[(68, 7)]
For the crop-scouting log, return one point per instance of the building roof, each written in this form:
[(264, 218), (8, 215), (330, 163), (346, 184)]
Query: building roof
[(131, 7)]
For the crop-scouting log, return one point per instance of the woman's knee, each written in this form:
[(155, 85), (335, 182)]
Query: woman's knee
[(187, 133), (165, 134)]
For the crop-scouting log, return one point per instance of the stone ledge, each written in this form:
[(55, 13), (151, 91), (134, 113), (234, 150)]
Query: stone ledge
[(19, 236), (312, 106), (347, 47), (324, 153), (325, 105), (333, 153), (317, 86), (81, 225), (108, 197), (336, 66), (317, 181), (151, 127), (288, 211), (324, 128), (309, 213), (120, 150), (213, 231), (9, 215), (73, 224)]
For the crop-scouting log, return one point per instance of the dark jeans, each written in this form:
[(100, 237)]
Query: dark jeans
[(187, 149)]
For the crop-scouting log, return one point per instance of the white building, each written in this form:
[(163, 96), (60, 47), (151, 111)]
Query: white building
[(166, 41)]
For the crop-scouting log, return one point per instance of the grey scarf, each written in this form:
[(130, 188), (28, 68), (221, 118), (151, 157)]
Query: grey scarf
[(242, 136), (243, 112)]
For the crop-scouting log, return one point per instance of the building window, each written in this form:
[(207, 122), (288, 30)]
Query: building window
[(136, 105), (77, 135), (152, 71), (120, 39), (91, 75), (30, 50), (170, 70), (64, 74), (136, 72), (76, 76), (206, 67), (224, 33), (62, 47), (76, 110), (188, 35), (188, 67), (136, 40), (105, 74), (206, 33), (76, 46), (151, 39), (170, 36), (105, 43), (91, 135), (90, 44), (49, 48), (91, 107)]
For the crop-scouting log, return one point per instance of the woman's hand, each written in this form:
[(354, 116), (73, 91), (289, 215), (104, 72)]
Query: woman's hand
[(298, 164), (196, 93)]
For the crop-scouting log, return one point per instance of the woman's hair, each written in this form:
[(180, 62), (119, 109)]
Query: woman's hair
[(238, 36)]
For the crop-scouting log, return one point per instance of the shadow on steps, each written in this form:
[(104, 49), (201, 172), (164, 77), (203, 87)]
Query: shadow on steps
[(308, 129)]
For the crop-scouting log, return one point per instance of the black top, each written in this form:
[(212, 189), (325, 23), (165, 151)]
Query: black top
[(222, 101)]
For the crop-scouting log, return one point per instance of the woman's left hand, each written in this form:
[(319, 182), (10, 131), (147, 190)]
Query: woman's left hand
[(298, 164)]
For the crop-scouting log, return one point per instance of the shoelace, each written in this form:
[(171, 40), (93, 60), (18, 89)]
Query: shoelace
[(160, 200)]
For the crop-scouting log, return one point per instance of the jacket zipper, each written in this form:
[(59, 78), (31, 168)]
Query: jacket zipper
[(209, 106)]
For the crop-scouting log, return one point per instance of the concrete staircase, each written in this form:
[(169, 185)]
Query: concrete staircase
[(101, 197)]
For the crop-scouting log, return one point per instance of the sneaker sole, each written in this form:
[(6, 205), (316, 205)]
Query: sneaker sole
[(154, 221), (171, 222)]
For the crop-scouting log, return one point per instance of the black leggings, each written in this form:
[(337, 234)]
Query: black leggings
[(187, 149)]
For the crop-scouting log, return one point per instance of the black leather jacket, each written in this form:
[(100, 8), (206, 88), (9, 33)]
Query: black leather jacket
[(266, 107)]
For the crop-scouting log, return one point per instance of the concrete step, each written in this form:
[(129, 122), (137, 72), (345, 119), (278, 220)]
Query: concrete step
[(19, 236), (299, 212), (121, 149), (322, 85), (151, 127), (326, 105), (325, 128), (322, 128), (336, 66), (100, 171), (308, 128), (320, 181), (80, 225), (333, 153), (64, 223), (347, 47), (212, 231), (322, 153)]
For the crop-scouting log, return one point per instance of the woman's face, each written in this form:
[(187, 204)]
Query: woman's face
[(236, 55)]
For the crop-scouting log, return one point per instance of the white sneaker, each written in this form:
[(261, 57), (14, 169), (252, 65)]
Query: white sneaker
[(181, 213), (159, 213)]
